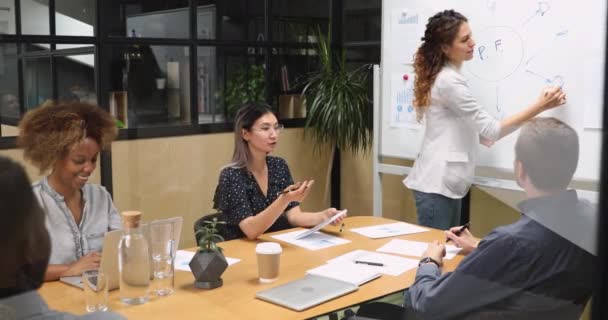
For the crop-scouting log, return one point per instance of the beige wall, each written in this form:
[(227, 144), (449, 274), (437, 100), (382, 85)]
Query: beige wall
[(8, 131), (32, 172), (177, 176)]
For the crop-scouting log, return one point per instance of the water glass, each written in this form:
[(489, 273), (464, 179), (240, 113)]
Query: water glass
[(163, 257), (95, 285)]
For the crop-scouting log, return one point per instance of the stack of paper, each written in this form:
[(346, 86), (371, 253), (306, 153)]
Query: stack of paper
[(356, 274), (389, 230), (315, 241), (384, 263), (183, 257), (414, 248)]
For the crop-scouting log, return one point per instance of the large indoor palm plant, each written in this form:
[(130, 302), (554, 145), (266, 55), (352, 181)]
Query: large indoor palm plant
[(338, 103)]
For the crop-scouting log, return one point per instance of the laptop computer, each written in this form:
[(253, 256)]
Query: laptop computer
[(109, 255), (306, 292), (109, 262)]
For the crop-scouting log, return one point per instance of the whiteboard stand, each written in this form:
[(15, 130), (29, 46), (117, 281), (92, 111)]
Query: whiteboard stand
[(380, 168), (377, 179)]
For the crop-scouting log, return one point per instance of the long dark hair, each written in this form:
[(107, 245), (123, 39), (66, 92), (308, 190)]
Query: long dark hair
[(17, 201), (441, 29), (247, 115), (22, 231)]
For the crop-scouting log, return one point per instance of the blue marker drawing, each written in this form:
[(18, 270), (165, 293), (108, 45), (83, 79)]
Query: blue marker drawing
[(389, 230), (543, 47), (543, 7), (491, 4), (557, 80)]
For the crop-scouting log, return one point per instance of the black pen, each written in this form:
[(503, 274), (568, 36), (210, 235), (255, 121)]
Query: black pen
[(290, 190), (377, 264), (285, 191), (459, 231)]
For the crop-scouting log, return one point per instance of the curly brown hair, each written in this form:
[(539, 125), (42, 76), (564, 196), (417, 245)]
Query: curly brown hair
[(441, 29), (50, 131)]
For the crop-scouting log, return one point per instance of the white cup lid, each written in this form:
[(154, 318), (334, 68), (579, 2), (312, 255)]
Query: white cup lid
[(268, 248)]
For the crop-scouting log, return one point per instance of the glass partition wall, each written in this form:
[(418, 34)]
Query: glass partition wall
[(160, 67)]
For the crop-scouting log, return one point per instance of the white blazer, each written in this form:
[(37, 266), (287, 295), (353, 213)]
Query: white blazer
[(454, 122)]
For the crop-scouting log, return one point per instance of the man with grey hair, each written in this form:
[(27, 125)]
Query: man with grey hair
[(540, 267)]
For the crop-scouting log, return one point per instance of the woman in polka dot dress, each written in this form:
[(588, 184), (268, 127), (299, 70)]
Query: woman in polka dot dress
[(256, 192)]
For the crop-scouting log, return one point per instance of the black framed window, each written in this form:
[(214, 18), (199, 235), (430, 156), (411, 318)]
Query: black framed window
[(361, 20), (10, 107), (167, 67), (241, 20), (37, 81), (75, 17), (299, 21), (7, 17), (242, 77), (35, 17), (147, 19), (76, 78), (149, 84)]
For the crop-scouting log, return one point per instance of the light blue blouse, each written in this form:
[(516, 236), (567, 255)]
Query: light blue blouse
[(69, 241)]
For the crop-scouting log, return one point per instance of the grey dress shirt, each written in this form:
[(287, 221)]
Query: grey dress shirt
[(30, 306), (69, 241), (519, 271)]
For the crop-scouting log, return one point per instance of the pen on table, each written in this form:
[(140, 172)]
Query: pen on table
[(459, 231), (377, 264)]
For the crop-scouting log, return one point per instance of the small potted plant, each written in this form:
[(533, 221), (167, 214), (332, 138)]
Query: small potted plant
[(209, 262)]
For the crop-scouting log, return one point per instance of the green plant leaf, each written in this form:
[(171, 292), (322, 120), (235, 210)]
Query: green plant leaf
[(338, 102), (209, 236)]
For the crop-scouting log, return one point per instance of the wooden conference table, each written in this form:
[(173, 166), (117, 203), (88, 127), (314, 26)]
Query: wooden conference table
[(236, 298)]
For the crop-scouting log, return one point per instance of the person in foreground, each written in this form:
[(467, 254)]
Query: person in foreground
[(256, 192), (455, 122), (66, 139), (25, 244), (534, 268)]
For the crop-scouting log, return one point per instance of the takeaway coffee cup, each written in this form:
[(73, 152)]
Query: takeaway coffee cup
[(269, 254)]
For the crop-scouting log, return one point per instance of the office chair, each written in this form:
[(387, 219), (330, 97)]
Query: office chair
[(199, 223)]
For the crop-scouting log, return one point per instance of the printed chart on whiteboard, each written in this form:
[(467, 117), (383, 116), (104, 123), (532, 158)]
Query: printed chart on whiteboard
[(403, 113)]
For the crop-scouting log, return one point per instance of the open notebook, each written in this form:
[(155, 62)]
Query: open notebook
[(347, 271)]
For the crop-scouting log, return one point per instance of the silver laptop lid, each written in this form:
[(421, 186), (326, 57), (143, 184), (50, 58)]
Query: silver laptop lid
[(109, 254), (109, 262), (306, 292)]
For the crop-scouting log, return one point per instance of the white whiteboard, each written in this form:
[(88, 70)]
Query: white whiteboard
[(522, 46)]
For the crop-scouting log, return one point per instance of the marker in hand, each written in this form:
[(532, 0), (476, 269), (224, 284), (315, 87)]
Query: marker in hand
[(459, 231)]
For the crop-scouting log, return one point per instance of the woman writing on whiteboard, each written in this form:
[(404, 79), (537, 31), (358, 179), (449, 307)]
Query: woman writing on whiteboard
[(455, 122)]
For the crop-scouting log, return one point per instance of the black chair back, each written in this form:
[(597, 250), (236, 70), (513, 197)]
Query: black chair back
[(199, 224)]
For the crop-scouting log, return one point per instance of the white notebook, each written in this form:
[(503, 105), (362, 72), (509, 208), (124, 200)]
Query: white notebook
[(347, 271)]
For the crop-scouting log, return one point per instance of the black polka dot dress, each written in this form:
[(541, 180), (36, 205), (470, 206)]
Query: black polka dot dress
[(239, 196)]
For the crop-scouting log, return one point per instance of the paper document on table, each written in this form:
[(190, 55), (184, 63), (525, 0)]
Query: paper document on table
[(314, 241), (183, 257), (389, 230), (414, 248), (385, 263), (346, 271), (321, 225)]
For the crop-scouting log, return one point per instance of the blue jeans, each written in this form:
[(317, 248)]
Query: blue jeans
[(437, 211)]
